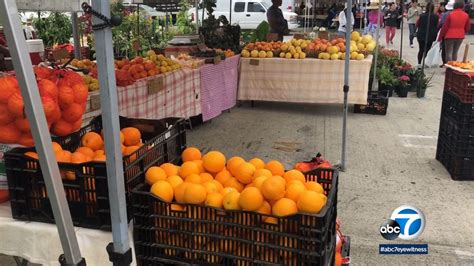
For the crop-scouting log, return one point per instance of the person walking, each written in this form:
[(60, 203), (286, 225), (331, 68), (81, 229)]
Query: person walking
[(427, 27), (454, 30), (390, 20), (447, 9), (412, 17), (372, 19), (343, 21)]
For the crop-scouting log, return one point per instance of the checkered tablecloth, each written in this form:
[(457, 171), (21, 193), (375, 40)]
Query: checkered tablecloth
[(303, 81), (179, 98), (218, 87)]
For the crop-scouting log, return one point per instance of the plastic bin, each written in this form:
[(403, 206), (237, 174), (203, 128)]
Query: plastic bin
[(460, 167), (87, 195), (460, 84), (377, 104), (172, 233)]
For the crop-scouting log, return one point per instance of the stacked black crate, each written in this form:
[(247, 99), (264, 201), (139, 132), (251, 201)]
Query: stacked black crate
[(455, 148)]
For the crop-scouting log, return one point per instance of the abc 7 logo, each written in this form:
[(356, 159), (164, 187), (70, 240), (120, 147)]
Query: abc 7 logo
[(406, 223)]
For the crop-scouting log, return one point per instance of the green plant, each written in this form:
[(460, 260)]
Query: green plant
[(424, 81), (386, 77), (183, 22), (53, 29), (257, 35)]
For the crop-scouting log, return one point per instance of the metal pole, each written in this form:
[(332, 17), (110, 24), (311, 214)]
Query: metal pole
[(346, 81), (111, 125), (75, 35), (377, 35), (138, 19), (196, 3), (401, 32), (35, 114), (230, 13)]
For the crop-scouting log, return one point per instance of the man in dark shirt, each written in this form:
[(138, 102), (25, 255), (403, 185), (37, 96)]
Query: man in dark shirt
[(278, 23)]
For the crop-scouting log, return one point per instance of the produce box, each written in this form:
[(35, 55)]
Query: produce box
[(87, 193), (377, 104), (173, 233), (460, 84)]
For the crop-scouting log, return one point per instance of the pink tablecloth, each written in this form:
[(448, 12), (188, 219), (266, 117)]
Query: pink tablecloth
[(179, 98), (218, 87)]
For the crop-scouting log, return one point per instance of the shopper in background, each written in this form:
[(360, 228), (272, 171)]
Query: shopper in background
[(441, 10), (372, 20), (454, 30), (278, 23), (400, 14), (29, 31), (447, 9), (427, 29), (343, 21), (390, 20), (412, 17), (332, 12)]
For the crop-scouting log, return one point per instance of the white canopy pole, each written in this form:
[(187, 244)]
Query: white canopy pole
[(346, 81)]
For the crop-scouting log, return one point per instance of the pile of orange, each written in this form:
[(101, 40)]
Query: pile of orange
[(92, 149), (63, 97), (235, 184)]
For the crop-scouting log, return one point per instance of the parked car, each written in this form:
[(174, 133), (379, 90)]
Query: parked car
[(246, 13)]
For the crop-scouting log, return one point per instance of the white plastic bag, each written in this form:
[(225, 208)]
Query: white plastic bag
[(433, 57)]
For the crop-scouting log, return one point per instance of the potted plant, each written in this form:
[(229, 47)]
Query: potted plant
[(387, 80), (414, 75), (403, 85), (423, 84)]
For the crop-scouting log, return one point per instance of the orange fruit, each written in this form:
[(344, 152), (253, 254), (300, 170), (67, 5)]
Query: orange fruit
[(78, 157), (56, 147), (210, 187), (99, 158), (188, 168), (293, 182), (258, 163), (62, 157), (205, 177), (163, 190), (231, 201), (314, 186), (65, 96), (21, 123), (130, 150), (218, 185), (245, 173), (271, 220), (62, 128), (265, 208), (86, 151), (73, 112), (294, 191), (5, 116), (213, 161), (179, 192), (233, 182), (191, 154), (214, 200), (193, 178), (195, 194), (275, 167), (258, 182), (233, 163), (223, 176), (284, 207), (9, 134), (154, 174), (262, 172), (199, 164), (132, 136), (273, 188), (80, 93), (227, 190), (15, 105), (93, 141), (170, 169), (174, 180), (99, 152), (311, 202), (31, 154), (294, 174), (251, 199)]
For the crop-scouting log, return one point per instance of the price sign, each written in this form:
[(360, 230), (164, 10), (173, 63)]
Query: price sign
[(95, 102), (254, 62), (156, 85), (59, 54)]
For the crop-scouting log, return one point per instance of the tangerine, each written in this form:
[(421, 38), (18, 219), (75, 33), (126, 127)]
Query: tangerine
[(22, 124), (188, 168), (191, 154), (16, 105), (9, 134), (284, 207), (251, 199), (195, 194), (170, 169), (258, 163), (273, 188), (213, 161), (231, 201), (314, 186), (61, 128), (163, 190), (193, 178), (132, 136), (86, 151), (5, 116), (262, 172), (179, 192), (233, 182), (245, 173), (174, 181), (73, 113), (214, 200), (233, 163), (92, 140), (294, 175), (311, 202), (275, 167), (223, 176), (294, 190), (154, 174), (205, 177)]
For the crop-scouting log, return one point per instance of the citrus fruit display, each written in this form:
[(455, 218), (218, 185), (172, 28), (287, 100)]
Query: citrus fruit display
[(235, 184)]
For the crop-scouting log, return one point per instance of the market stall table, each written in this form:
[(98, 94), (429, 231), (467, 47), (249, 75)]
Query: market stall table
[(303, 81), (39, 242), (178, 97), (219, 87)]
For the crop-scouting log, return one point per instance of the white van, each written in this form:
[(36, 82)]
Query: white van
[(248, 14)]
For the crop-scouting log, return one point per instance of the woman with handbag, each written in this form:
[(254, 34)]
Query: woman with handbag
[(427, 29)]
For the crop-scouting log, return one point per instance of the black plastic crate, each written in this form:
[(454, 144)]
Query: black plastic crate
[(346, 251), (87, 194), (460, 167), (460, 84), (377, 104), (172, 233)]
